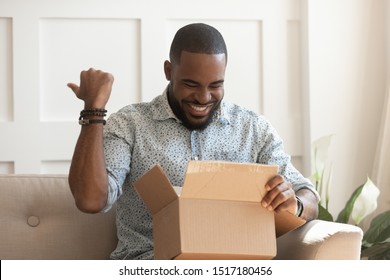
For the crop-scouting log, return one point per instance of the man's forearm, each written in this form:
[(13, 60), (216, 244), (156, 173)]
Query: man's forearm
[(87, 175)]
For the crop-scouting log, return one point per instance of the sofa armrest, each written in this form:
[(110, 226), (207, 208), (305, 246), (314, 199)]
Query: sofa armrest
[(321, 240)]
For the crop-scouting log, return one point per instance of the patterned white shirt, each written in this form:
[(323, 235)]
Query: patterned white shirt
[(139, 136)]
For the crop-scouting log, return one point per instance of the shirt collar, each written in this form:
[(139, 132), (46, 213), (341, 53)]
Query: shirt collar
[(162, 111)]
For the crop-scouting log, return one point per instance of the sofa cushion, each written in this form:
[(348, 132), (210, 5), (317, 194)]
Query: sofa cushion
[(39, 220)]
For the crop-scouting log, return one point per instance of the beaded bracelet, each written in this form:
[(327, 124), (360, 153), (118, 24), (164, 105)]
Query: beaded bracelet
[(96, 112), (93, 111), (88, 121)]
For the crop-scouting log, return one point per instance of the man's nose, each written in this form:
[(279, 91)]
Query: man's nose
[(203, 95)]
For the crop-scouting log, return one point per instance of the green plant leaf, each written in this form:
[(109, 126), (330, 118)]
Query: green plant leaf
[(379, 230), (344, 215), (324, 214), (379, 251)]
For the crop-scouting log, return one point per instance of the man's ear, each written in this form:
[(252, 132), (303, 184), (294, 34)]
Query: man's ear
[(167, 70)]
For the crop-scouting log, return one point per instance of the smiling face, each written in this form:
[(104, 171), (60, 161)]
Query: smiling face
[(196, 87)]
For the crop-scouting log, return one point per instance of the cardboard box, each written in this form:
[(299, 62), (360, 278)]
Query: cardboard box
[(218, 214)]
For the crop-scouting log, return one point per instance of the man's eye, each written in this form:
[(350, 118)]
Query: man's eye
[(216, 86), (190, 85)]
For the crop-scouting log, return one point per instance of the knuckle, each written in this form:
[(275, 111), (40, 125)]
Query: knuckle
[(284, 195)]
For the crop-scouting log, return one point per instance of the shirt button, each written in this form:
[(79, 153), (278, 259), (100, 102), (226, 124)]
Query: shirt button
[(196, 158)]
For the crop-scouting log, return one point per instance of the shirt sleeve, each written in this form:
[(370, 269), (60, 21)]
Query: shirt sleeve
[(272, 152), (117, 152)]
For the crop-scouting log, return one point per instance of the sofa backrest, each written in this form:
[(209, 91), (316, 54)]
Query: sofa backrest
[(39, 220)]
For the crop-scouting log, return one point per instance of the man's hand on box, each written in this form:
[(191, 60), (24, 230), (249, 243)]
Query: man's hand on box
[(280, 196)]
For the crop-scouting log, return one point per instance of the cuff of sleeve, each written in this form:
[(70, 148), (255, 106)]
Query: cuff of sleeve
[(112, 194)]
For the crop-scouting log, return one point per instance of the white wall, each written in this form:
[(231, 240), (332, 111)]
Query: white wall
[(312, 67), (47, 43), (347, 57)]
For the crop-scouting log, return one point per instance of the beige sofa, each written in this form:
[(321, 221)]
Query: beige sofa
[(39, 220)]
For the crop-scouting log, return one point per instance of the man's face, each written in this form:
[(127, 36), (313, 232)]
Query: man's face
[(196, 87)]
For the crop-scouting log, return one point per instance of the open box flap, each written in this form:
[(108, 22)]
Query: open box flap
[(227, 181), (155, 189)]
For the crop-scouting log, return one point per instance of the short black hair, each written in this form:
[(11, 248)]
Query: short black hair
[(197, 38)]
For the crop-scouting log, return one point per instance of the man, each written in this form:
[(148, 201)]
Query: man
[(189, 121)]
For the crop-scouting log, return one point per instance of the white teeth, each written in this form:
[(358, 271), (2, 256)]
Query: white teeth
[(198, 108)]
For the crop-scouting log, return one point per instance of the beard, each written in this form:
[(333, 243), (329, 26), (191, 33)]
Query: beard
[(181, 115)]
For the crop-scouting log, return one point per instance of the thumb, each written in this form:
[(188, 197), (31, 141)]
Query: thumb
[(75, 88)]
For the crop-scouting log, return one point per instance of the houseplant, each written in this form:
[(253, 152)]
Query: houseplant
[(362, 203)]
